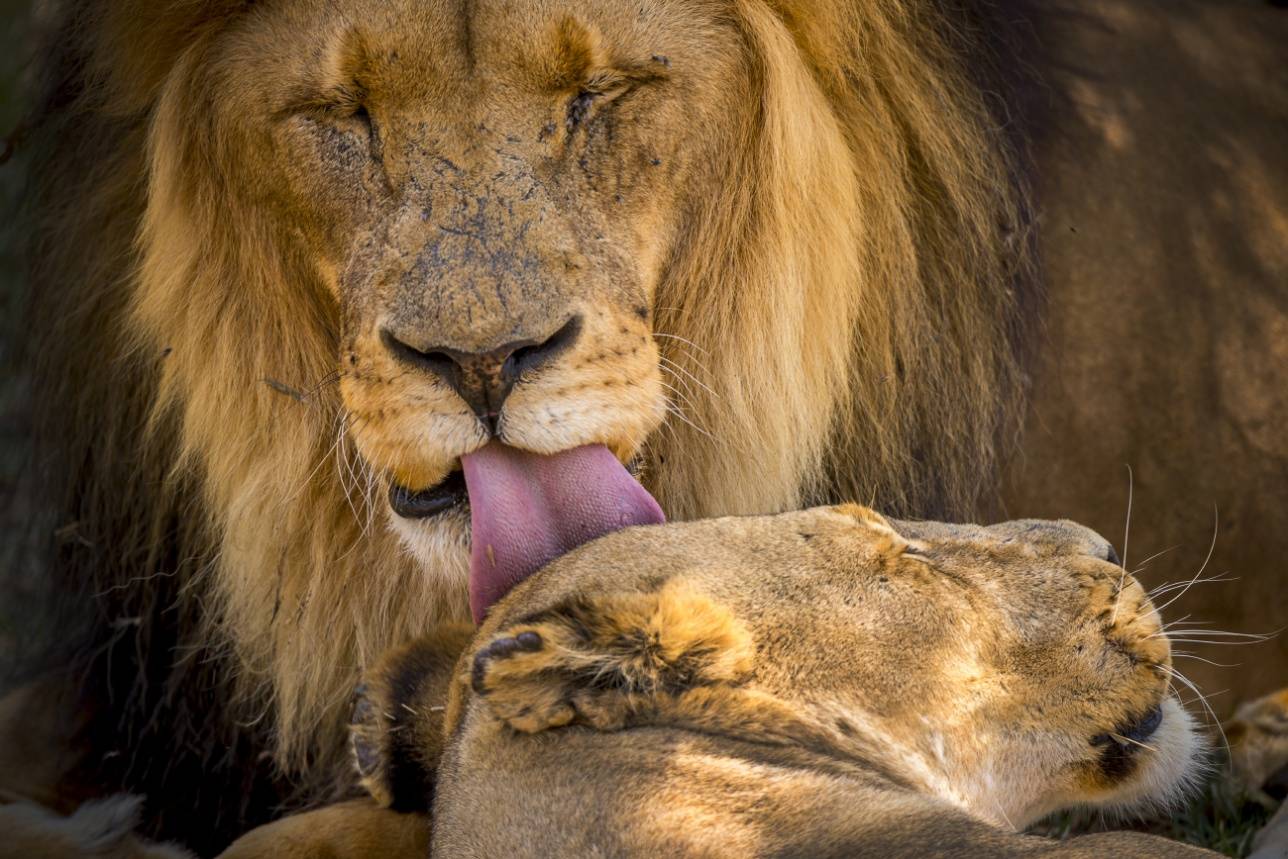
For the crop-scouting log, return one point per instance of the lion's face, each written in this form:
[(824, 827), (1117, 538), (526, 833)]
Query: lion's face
[(1012, 670), (490, 202)]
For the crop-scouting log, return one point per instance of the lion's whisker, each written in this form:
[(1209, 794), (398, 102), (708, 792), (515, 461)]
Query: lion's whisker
[(687, 400), (344, 462), (339, 418), (688, 391), (675, 366), (682, 340), (670, 407)]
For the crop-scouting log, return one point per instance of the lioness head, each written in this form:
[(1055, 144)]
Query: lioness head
[(1009, 670)]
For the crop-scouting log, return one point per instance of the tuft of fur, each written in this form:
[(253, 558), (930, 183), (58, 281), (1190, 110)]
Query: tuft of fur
[(101, 829), (850, 305)]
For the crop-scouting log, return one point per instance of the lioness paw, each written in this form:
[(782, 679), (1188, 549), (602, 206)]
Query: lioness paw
[(1258, 738), (602, 660), (396, 724)]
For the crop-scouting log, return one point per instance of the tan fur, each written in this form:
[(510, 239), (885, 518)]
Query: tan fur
[(826, 683), (345, 830), (1258, 738), (839, 283), (100, 829)]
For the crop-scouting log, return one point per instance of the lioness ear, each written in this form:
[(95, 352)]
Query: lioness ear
[(397, 729), (886, 541)]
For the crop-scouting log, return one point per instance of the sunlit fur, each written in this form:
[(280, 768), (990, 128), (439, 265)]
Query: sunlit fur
[(842, 319), (825, 682)]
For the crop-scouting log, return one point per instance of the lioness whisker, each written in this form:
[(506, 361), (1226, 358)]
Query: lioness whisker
[(1259, 636), (1122, 740), (1178, 676), (1185, 654), (1118, 597), (1216, 527), (1145, 562), (1164, 589), (1192, 636)]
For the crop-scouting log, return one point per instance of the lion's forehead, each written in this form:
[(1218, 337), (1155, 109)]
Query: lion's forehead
[(438, 51)]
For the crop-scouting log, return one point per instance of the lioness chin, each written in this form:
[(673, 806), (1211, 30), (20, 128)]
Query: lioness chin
[(811, 684)]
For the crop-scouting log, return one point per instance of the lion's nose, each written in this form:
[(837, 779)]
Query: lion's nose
[(484, 379)]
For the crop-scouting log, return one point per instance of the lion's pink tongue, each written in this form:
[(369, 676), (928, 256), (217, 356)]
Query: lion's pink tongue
[(527, 509)]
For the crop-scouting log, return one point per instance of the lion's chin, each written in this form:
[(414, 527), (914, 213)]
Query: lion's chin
[(439, 544)]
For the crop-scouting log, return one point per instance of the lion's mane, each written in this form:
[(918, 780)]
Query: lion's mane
[(852, 338)]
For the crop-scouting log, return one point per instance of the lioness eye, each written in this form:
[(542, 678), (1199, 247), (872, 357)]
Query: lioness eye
[(579, 108), (915, 553), (361, 116)]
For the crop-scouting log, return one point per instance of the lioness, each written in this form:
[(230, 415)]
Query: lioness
[(821, 683)]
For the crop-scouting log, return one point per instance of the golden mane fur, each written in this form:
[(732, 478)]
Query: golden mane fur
[(197, 441)]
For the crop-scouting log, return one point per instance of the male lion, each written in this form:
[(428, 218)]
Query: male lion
[(822, 683), (297, 262)]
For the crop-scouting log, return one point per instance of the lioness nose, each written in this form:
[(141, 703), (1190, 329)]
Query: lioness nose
[(484, 379)]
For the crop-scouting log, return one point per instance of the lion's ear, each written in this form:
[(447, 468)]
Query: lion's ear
[(397, 732)]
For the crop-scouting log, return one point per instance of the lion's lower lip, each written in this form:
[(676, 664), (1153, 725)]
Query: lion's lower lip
[(429, 502)]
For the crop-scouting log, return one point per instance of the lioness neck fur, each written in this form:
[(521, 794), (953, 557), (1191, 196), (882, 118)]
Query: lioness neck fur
[(818, 683)]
